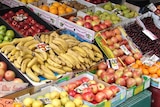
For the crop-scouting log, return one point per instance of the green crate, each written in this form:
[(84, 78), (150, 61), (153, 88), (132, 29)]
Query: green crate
[(142, 99)]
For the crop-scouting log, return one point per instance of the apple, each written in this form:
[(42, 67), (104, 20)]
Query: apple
[(3, 65), (114, 89), (128, 74), (110, 70), (87, 17), (72, 18), (92, 82), (7, 39), (95, 18), (96, 28), (56, 103), (3, 28), (68, 104), (80, 22), (2, 72), (137, 55), (138, 80), (94, 88), (99, 72), (71, 86), (103, 35), (114, 39), (108, 23), (88, 96), (108, 78), (78, 96), (121, 81), (131, 82), (125, 77), (87, 90), (87, 25), (63, 94), (2, 32), (18, 80), (72, 93), (100, 96), (65, 88), (100, 86), (54, 95), (28, 101), (119, 38), (109, 94), (129, 60), (103, 26), (102, 66), (84, 79), (9, 75), (78, 82)]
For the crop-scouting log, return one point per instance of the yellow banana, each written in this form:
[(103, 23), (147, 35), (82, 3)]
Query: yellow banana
[(63, 43), (78, 66), (24, 50), (54, 34), (36, 69), (99, 55), (25, 39), (83, 67), (49, 76), (89, 52), (107, 52), (55, 59), (19, 60), (85, 44), (65, 36), (51, 52), (43, 54), (39, 56), (87, 66), (47, 39), (27, 56), (59, 44), (56, 49), (14, 50), (97, 59), (32, 62), (68, 58), (8, 50), (86, 60), (16, 55), (33, 46), (5, 43), (67, 69), (28, 43), (24, 64), (54, 63), (65, 61), (54, 69), (16, 64), (46, 70), (74, 58), (80, 50), (31, 75), (9, 55), (20, 43), (50, 38), (7, 47), (95, 48), (42, 37)]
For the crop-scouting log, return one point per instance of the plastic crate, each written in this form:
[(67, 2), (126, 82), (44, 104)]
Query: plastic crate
[(142, 99)]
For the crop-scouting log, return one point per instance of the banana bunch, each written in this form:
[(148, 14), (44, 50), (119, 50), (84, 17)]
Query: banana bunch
[(66, 54)]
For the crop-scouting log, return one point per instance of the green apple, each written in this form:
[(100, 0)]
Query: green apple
[(6, 38), (2, 32), (56, 103), (107, 7), (3, 28), (98, 12), (124, 7), (89, 12), (1, 37), (1, 41), (37, 103), (64, 100), (10, 33), (105, 13)]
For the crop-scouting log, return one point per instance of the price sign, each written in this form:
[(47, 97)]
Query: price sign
[(112, 63), (125, 50)]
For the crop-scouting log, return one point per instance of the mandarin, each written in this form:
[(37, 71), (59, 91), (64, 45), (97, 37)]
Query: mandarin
[(69, 10), (53, 10), (45, 8)]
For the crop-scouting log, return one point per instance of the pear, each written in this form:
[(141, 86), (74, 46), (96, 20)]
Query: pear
[(28, 101), (37, 103)]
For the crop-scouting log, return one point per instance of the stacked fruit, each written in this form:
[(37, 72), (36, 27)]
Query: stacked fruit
[(91, 90), (124, 76), (120, 9), (120, 47), (65, 54), (6, 35), (152, 71), (55, 99), (23, 23), (75, 4), (91, 22), (104, 15), (8, 75), (57, 8), (96, 1), (28, 1)]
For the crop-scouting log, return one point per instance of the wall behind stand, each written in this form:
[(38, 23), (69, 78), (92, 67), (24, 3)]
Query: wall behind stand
[(140, 3)]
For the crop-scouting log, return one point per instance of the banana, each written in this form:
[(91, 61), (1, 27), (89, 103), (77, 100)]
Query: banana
[(43, 54), (9, 55), (20, 43), (95, 48), (42, 37), (55, 59), (87, 66), (8, 50), (50, 38), (49, 76), (54, 63), (86, 60), (16, 64), (28, 56), (33, 46), (108, 52), (74, 58), (97, 59), (28, 43), (39, 56), (46, 39), (59, 71), (7, 47), (12, 58), (14, 50), (80, 50), (59, 44), (67, 63), (68, 58), (46, 70), (5, 43), (25, 39), (54, 34), (85, 44), (32, 62), (16, 55), (19, 60), (78, 66), (98, 55), (24, 50), (24, 64), (56, 49), (83, 67), (67, 69), (66, 36), (63, 43), (89, 52), (36, 69), (31, 75), (51, 52)]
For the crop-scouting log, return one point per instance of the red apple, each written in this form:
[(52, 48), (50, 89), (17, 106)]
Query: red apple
[(109, 93), (129, 60), (108, 23), (84, 79), (87, 90), (79, 96), (100, 86), (87, 25), (94, 88), (114, 88), (109, 42), (89, 96), (18, 80), (92, 82), (95, 18), (128, 74), (9, 75), (137, 55), (87, 17), (102, 65), (118, 73), (125, 77), (138, 80), (72, 93), (100, 96), (103, 35), (96, 28), (119, 38), (108, 78), (131, 82), (71, 86), (110, 70), (2, 72), (121, 81), (80, 22), (103, 26), (78, 82), (3, 65), (99, 72), (114, 40)]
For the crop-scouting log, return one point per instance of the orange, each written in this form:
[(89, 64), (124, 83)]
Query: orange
[(145, 71), (64, 6), (53, 10), (154, 76), (138, 62), (40, 6), (158, 63), (45, 7), (158, 72), (61, 12), (56, 4), (69, 10), (152, 69), (135, 65), (60, 8)]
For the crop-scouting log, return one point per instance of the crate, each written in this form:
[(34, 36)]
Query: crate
[(142, 99), (12, 3)]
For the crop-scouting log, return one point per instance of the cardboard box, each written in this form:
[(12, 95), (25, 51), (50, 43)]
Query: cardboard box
[(118, 99), (12, 3)]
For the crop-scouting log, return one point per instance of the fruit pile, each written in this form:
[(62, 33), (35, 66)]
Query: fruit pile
[(152, 71), (6, 35), (91, 90), (28, 1), (75, 4), (57, 8), (96, 1), (55, 99), (120, 47), (120, 9), (124, 76), (105, 16), (58, 53), (8, 75), (23, 23), (91, 22), (140, 39)]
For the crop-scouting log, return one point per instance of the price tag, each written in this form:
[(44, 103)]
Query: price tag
[(80, 88), (129, 93), (149, 34), (149, 61), (43, 47), (152, 7), (112, 63), (45, 100), (125, 50), (138, 89)]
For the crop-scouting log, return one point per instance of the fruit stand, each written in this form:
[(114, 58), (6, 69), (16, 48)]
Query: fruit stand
[(80, 53)]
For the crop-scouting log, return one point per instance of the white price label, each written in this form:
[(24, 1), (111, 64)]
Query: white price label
[(125, 50), (45, 100), (149, 61), (149, 34), (113, 63), (80, 88), (152, 7)]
